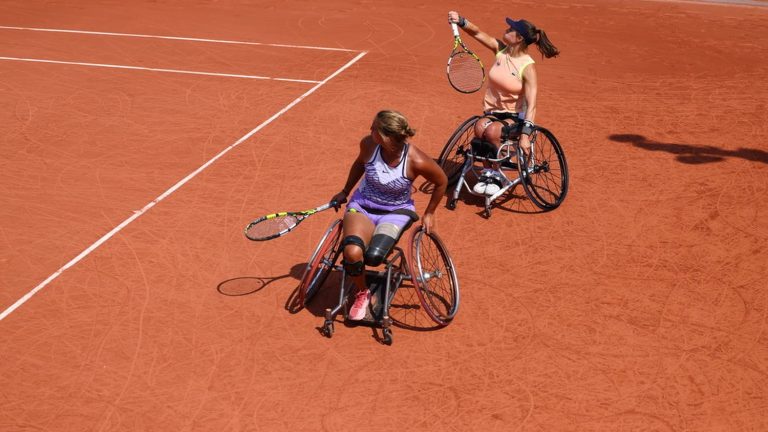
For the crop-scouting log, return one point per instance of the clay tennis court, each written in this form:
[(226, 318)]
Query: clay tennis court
[(131, 300)]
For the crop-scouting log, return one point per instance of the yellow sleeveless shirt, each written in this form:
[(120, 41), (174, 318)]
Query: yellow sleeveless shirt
[(505, 92)]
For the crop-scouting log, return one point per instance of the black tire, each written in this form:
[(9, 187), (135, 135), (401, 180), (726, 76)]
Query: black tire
[(321, 263), (545, 178), (453, 155), (434, 276)]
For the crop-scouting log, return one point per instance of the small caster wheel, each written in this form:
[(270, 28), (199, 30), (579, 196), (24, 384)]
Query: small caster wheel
[(386, 322), (328, 329), (386, 336), (451, 204)]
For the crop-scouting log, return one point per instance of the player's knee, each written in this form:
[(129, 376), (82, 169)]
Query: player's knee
[(384, 238), (493, 133), (481, 125), (354, 248)]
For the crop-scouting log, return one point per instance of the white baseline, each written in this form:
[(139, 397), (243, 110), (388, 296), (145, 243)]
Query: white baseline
[(178, 71), (221, 41), (171, 190)]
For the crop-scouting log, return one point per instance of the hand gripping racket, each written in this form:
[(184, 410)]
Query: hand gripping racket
[(279, 224), (465, 70)]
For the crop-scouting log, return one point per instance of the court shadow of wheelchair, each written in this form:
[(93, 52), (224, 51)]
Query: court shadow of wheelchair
[(513, 201), (405, 309), (691, 154), (247, 285)]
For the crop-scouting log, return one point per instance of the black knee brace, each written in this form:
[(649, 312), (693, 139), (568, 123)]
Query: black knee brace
[(353, 268)]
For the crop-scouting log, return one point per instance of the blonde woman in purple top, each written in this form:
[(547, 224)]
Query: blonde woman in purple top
[(388, 164)]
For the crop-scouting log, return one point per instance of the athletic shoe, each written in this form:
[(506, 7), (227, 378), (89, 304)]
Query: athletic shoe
[(493, 184), (492, 188), (362, 299), (482, 182), (479, 187)]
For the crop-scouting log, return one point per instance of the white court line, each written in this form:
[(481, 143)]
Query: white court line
[(155, 69), (222, 41), (173, 188)]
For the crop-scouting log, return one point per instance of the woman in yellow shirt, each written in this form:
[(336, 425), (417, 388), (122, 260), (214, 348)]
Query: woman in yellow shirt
[(512, 81)]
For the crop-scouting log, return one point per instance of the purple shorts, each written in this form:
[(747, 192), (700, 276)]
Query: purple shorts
[(400, 220)]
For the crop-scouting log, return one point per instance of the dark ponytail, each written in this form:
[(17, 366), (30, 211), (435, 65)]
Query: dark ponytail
[(532, 35), (546, 47)]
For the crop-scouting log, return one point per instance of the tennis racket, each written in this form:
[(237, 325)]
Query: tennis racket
[(279, 224), (465, 70)]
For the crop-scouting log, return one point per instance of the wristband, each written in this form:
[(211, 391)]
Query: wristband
[(462, 22), (527, 128)]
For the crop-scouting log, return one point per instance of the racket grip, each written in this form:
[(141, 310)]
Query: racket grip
[(455, 29)]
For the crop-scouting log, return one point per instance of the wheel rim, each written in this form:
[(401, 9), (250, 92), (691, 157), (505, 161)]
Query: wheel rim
[(435, 278), (320, 263), (546, 174), (452, 158)]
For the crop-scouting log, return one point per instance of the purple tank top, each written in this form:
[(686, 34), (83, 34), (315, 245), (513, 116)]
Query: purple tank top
[(385, 187)]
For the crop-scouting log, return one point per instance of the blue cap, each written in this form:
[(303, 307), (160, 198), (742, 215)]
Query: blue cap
[(521, 29)]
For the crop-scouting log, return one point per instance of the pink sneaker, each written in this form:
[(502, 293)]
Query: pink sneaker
[(357, 311)]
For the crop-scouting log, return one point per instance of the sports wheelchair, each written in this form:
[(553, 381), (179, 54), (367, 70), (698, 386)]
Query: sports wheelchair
[(543, 173), (425, 263)]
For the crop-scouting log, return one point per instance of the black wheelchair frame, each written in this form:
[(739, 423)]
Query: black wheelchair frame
[(427, 271)]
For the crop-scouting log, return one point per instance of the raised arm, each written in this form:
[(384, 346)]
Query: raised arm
[(471, 29)]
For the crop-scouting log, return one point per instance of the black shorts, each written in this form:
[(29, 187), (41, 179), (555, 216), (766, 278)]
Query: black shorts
[(504, 115)]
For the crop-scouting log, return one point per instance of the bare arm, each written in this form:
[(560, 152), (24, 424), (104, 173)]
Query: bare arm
[(423, 165), (531, 86), (471, 29), (356, 171)]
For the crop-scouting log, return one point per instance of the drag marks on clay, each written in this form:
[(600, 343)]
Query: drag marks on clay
[(574, 320), (434, 396)]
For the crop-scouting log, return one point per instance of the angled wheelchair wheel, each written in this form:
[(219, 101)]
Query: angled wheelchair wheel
[(545, 174), (434, 276), (452, 157), (320, 263)]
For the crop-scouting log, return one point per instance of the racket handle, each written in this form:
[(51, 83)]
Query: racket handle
[(455, 29)]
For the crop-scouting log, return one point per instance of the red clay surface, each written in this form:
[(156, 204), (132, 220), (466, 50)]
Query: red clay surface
[(639, 305)]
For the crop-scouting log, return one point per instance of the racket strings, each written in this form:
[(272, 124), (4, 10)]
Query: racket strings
[(465, 73), (271, 227)]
